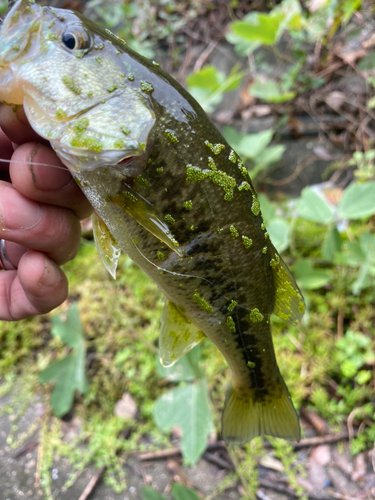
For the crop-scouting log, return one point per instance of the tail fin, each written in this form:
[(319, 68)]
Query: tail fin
[(243, 418)]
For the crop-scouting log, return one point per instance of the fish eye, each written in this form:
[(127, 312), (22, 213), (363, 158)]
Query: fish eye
[(76, 38)]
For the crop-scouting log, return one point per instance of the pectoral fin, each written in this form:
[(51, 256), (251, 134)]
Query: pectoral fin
[(144, 213), (106, 245), (177, 335), (289, 303)]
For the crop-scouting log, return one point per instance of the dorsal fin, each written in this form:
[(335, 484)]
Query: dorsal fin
[(289, 303)]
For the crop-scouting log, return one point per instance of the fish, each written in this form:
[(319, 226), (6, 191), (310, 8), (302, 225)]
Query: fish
[(169, 191)]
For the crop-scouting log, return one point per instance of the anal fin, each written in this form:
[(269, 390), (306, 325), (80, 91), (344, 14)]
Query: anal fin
[(177, 334)]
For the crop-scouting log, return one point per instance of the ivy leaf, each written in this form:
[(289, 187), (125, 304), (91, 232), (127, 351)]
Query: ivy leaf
[(357, 202), (149, 493), (67, 373), (188, 407), (309, 278), (180, 492), (262, 28), (313, 207), (185, 369), (279, 231)]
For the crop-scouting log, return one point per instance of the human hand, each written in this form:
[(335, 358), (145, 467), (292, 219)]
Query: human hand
[(40, 210)]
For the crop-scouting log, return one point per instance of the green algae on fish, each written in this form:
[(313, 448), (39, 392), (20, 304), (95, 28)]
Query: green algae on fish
[(168, 190)]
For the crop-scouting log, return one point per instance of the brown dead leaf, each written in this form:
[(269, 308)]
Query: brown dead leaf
[(321, 455), (246, 98), (322, 153), (315, 5), (360, 468), (178, 473), (270, 462), (319, 424), (335, 100), (126, 407)]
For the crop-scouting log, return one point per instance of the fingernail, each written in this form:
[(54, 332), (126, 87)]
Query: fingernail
[(16, 212), (51, 275)]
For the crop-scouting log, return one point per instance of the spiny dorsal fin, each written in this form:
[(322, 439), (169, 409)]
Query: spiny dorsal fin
[(106, 245), (289, 303), (177, 334)]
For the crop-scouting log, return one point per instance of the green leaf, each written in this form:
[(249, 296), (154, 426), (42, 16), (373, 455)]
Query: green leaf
[(188, 407), (68, 327), (332, 244), (357, 202), (68, 374), (270, 91), (262, 28), (313, 207), (279, 231), (187, 368), (180, 492), (309, 278), (208, 85), (251, 145), (268, 209), (206, 78), (149, 493)]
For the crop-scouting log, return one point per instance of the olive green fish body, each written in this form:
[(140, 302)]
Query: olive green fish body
[(169, 191)]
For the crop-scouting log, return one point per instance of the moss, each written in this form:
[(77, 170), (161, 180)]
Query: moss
[(221, 179), (111, 88), (168, 218), (60, 113), (233, 231), (202, 303), (232, 306), (80, 141), (80, 125), (255, 207), (215, 148), (244, 186), (71, 84), (230, 324), (247, 242), (256, 316), (146, 87), (188, 205), (171, 135)]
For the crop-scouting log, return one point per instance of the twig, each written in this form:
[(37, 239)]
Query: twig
[(92, 483), (172, 452), (262, 496), (281, 488), (205, 55), (160, 454), (221, 462), (26, 449), (316, 441)]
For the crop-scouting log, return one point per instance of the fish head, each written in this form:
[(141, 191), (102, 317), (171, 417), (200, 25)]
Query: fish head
[(76, 90)]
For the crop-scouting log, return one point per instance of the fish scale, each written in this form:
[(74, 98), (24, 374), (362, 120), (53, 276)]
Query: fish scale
[(168, 190)]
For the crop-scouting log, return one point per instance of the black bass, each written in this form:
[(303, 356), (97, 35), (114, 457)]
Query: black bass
[(168, 190)]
